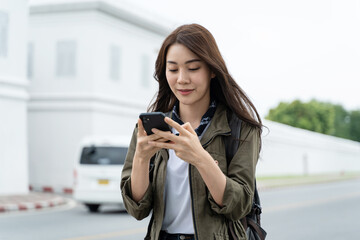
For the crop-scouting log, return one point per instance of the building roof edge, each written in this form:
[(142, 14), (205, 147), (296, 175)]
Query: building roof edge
[(104, 7)]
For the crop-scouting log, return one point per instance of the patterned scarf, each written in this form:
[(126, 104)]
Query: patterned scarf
[(205, 120)]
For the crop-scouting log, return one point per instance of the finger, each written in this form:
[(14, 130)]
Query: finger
[(141, 130), (162, 140), (155, 137), (167, 135), (188, 127), (162, 145), (175, 125)]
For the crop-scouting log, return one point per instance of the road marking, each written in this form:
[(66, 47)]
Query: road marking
[(111, 234), (310, 202)]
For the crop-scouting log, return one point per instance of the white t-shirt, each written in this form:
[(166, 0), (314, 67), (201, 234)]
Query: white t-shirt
[(178, 213), (177, 199)]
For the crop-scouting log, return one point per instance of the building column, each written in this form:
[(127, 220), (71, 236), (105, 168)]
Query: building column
[(13, 97)]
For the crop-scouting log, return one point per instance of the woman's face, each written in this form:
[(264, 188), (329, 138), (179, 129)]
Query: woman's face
[(188, 76)]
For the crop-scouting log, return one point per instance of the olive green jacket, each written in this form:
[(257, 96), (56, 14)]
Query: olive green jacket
[(210, 220)]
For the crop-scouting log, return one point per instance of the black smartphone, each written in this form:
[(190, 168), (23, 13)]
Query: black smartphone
[(154, 120)]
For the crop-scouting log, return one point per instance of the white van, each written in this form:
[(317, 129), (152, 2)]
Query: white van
[(98, 169)]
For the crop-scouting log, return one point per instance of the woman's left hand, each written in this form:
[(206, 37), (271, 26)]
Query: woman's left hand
[(186, 146)]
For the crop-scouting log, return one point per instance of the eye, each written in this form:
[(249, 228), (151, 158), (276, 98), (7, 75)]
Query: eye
[(172, 70), (194, 69)]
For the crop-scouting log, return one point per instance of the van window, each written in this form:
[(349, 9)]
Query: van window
[(103, 155)]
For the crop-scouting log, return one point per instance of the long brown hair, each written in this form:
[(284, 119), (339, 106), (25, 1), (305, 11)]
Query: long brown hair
[(223, 87)]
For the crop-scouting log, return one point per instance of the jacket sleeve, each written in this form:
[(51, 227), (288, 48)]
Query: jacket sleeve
[(240, 180), (140, 209)]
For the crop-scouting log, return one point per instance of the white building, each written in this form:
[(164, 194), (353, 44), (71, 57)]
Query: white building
[(91, 73), (13, 97)]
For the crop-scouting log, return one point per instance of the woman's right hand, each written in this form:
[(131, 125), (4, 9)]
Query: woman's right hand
[(144, 151), (140, 168)]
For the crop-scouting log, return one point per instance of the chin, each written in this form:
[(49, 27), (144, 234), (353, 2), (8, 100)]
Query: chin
[(185, 101)]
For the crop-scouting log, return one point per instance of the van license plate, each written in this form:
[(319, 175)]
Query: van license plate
[(103, 181)]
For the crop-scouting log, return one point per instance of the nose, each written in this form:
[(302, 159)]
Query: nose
[(183, 77)]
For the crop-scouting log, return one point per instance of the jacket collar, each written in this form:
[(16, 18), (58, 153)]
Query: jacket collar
[(205, 119), (219, 125)]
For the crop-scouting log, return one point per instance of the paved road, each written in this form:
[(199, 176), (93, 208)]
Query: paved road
[(72, 222), (322, 211)]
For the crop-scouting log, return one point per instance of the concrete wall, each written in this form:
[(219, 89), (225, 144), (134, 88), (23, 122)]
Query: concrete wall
[(13, 97), (288, 150)]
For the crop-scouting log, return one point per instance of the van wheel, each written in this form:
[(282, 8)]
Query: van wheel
[(93, 207)]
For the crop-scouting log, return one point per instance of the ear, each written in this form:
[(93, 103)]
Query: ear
[(212, 75)]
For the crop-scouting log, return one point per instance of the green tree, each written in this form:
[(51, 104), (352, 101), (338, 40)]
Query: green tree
[(318, 116), (314, 115), (355, 125), (341, 122)]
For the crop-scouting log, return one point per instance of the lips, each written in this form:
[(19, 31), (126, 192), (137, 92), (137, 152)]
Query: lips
[(185, 91)]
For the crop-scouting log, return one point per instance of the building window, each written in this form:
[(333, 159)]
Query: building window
[(115, 61), (145, 71), (4, 28), (30, 60), (66, 58)]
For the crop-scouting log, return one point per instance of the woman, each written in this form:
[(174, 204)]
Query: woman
[(183, 176)]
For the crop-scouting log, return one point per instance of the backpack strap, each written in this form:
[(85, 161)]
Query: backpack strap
[(256, 205), (232, 143), (148, 237)]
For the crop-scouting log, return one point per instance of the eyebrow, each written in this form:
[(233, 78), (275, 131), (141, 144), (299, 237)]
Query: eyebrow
[(187, 62)]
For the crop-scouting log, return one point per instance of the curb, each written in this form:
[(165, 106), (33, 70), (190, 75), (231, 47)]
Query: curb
[(301, 181), (30, 201), (51, 189)]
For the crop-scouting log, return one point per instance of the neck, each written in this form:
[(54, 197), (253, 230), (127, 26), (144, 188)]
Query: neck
[(193, 113)]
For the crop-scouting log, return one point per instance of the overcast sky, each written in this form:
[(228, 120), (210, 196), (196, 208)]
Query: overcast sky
[(278, 50)]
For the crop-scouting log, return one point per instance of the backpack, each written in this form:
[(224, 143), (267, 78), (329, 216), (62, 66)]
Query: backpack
[(250, 222)]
